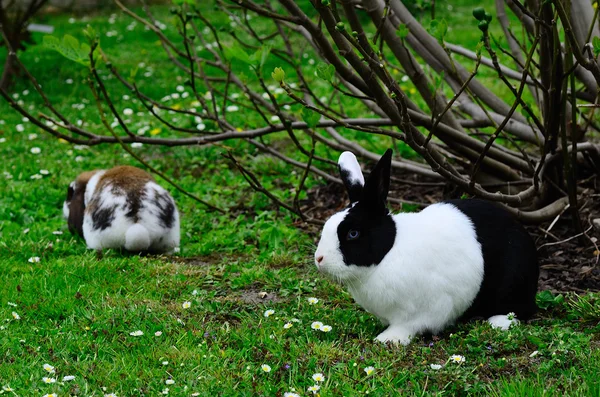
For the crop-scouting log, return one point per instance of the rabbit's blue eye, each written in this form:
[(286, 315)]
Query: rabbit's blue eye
[(353, 235)]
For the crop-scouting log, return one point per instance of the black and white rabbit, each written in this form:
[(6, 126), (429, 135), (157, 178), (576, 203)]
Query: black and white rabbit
[(122, 207), (420, 272)]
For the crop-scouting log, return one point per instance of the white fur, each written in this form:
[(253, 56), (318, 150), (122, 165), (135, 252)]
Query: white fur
[(502, 322), (66, 208), (160, 239), (91, 187), (137, 238), (348, 162), (427, 280)]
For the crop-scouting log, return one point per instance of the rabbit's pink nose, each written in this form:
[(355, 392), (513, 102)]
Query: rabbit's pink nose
[(319, 258)]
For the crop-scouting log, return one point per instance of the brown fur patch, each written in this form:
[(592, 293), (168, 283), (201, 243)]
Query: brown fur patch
[(125, 177)]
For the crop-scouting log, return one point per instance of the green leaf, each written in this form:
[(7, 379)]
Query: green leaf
[(596, 44), (438, 29), (310, 117), (70, 48), (402, 31), (260, 56), (237, 52), (537, 341), (278, 74), (325, 71), (479, 48), (90, 33)]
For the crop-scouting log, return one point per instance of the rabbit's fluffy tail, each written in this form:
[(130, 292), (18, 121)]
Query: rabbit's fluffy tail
[(137, 238)]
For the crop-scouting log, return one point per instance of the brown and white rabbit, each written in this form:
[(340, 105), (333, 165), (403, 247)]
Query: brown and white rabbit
[(122, 207), (420, 272)]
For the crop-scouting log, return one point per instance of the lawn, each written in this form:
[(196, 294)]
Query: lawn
[(237, 311)]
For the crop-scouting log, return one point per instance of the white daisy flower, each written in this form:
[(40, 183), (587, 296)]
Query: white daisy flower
[(266, 368), (158, 333), (32, 136), (175, 95), (232, 108), (2, 140), (318, 377), (44, 172), (20, 128), (312, 301), (201, 127), (48, 380), (35, 150), (287, 325), (16, 316), (127, 112), (57, 232), (36, 176), (68, 378), (33, 259), (325, 328), (50, 395), (269, 312), (170, 382), (180, 88), (195, 292), (314, 389), (316, 325), (137, 145), (435, 366), (11, 304), (290, 394), (456, 358), (110, 395), (136, 333), (7, 388), (369, 370), (187, 304), (49, 368)]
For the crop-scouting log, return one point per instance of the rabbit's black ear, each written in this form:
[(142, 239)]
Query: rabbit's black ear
[(376, 189), (351, 175)]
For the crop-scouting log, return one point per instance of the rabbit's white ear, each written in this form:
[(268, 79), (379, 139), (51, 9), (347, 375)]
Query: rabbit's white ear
[(352, 176)]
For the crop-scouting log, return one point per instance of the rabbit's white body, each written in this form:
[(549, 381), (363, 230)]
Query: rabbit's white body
[(425, 282)]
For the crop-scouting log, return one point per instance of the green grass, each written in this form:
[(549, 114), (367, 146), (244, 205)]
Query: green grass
[(77, 310)]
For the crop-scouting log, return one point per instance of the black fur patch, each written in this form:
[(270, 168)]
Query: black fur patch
[(166, 209), (353, 188), (377, 233), (134, 204), (370, 218), (102, 218), (510, 262)]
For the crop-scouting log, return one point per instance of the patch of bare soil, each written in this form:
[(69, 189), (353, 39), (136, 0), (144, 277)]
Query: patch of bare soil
[(567, 263), (256, 297)]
